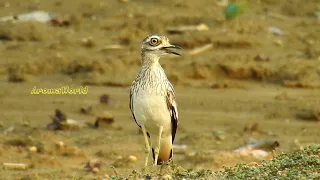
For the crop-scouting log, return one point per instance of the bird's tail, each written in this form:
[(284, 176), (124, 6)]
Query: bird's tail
[(165, 153)]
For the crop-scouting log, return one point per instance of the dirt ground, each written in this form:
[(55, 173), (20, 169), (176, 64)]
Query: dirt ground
[(252, 84)]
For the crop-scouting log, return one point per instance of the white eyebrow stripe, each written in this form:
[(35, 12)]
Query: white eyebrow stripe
[(156, 37)]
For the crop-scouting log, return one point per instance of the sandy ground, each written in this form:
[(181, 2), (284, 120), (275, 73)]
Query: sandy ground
[(249, 78)]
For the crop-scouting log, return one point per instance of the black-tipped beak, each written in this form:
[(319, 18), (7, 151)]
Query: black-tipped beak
[(169, 50)]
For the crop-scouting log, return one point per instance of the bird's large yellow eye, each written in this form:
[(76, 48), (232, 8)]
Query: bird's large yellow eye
[(154, 41)]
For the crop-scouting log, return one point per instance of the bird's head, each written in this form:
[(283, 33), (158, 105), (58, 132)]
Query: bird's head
[(158, 45)]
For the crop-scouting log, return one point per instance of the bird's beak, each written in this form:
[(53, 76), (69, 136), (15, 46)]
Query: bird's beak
[(169, 50)]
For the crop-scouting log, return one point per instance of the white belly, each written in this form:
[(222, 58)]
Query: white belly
[(152, 112)]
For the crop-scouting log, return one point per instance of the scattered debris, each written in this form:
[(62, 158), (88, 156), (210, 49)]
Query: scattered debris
[(278, 42), (114, 170), (259, 149), (224, 85), (106, 177), (88, 42), (191, 153), (60, 145), (25, 122), (112, 47), (299, 84), (262, 58), (179, 146), (282, 96), (166, 177), (275, 31), (25, 143), (105, 99), (104, 120), (53, 126), (310, 115), (108, 83), (200, 71), (59, 116), (60, 22), (222, 3), (239, 71), (16, 76), (241, 43), (298, 144), (9, 130), (60, 122), (40, 16), (15, 166), (278, 16), (219, 135), (86, 110), (20, 142), (56, 120), (317, 13), (251, 127), (115, 84), (71, 124), (65, 150), (182, 29), (93, 165), (219, 86), (124, 161), (201, 49)]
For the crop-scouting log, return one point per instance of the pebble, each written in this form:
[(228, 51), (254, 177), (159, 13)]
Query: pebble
[(119, 157), (95, 170), (279, 42), (132, 158), (93, 165), (33, 149), (262, 57), (104, 120), (60, 144), (88, 42), (166, 177), (191, 154), (275, 31)]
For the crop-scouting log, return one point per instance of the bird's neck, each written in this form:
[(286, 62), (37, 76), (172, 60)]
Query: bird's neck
[(151, 66), (150, 60), (152, 77)]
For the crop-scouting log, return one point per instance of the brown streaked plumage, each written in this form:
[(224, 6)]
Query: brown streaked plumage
[(152, 100)]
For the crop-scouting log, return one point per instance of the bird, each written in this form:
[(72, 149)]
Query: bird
[(152, 100)]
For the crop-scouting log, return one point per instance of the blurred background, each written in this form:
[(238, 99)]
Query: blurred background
[(247, 84)]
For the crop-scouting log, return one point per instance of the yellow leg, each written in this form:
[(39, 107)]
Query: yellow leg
[(147, 148), (157, 147)]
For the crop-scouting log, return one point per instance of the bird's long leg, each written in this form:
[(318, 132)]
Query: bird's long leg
[(147, 148), (157, 147)]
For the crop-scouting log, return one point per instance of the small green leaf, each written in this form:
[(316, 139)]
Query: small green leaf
[(233, 9)]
